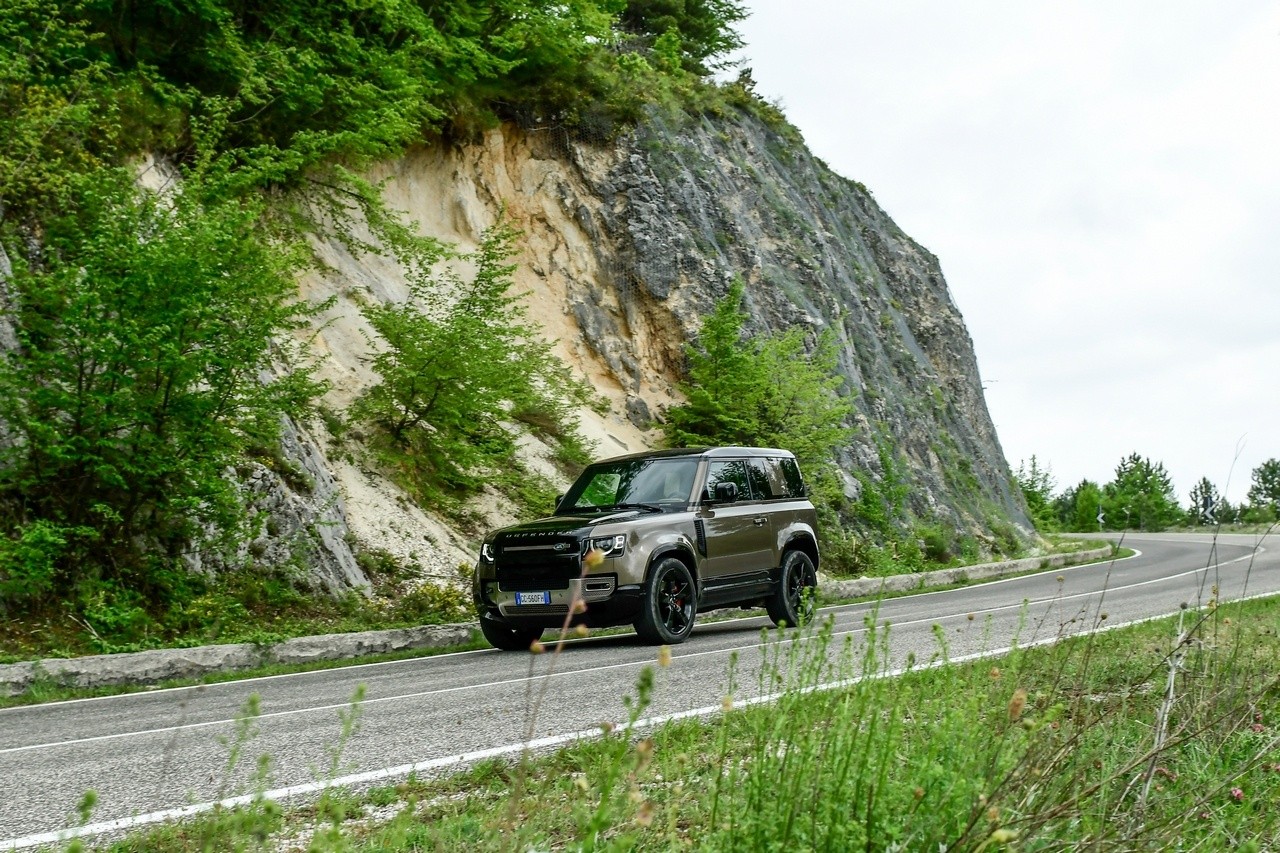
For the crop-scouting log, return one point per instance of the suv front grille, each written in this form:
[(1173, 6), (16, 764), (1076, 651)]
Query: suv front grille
[(543, 564)]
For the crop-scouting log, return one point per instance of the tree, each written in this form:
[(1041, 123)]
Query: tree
[(147, 333), (1206, 505), (770, 390), (1077, 508), (458, 359), (1140, 496), (1264, 493), (698, 31), (1037, 488)]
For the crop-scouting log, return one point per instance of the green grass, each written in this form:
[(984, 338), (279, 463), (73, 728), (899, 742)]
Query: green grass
[(1084, 744)]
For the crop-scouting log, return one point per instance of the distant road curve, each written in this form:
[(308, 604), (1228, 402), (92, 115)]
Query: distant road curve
[(156, 755)]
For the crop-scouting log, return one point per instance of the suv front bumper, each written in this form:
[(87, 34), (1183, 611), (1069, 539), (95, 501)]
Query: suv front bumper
[(604, 603)]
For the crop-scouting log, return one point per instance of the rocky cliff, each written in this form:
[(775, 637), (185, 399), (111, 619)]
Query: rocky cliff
[(627, 246)]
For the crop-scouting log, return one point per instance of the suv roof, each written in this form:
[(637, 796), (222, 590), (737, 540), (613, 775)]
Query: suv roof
[(710, 452)]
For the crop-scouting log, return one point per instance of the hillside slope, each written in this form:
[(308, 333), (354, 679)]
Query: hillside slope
[(626, 247)]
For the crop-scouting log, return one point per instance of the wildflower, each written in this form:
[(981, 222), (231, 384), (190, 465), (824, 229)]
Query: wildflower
[(969, 617), (644, 816), (1060, 579), (993, 814), (1237, 794), (1257, 727), (995, 673), (593, 558), (579, 606), (536, 647), (1003, 836), (1204, 815), (580, 631), (918, 793), (726, 704), (1017, 703), (644, 753), (580, 779), (664, 656), (1167, 773), (1103, 617)]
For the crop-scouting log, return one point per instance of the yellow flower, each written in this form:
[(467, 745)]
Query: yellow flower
[(536, 647), (580, 631), (593, 558), (664, 656)]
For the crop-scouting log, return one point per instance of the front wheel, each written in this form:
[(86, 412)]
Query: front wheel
[(792, 603), (670, 602), (507, 638)]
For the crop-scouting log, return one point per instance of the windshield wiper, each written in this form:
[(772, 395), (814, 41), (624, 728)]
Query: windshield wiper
[(649, 507)]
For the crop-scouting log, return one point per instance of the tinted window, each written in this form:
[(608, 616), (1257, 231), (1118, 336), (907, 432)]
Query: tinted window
[(729, 471), (788, 472), (758, 474)]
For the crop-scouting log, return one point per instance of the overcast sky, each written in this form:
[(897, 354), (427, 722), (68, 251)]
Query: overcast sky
[(1101, 182)]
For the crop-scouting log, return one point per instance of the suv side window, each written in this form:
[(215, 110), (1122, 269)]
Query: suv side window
[(727, 471), (787, 474), (761, 487)]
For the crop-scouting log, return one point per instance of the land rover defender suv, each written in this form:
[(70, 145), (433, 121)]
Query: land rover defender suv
[(653, 539)]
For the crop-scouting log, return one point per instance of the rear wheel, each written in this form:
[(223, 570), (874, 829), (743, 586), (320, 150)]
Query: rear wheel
[(508, 638), (670, 602), (792, 603)]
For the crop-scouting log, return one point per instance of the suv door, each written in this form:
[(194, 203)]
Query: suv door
[(740, 539)]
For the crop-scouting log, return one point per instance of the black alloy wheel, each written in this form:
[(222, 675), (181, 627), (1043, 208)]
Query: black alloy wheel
[(670, 603), (792, 603)]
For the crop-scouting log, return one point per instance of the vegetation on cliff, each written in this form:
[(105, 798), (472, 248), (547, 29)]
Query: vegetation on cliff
[(141, 354)]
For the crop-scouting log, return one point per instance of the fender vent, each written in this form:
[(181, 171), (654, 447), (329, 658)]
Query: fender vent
[(701, 532)]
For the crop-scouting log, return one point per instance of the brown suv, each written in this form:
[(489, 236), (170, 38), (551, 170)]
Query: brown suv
[(653, 539)]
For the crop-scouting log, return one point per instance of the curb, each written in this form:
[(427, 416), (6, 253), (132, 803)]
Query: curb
[(158, 665), (964, 574)]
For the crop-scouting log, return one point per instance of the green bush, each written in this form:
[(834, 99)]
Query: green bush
[(146, 328), (461, 359)]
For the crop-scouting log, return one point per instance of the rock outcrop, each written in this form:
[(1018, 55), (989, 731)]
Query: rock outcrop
[(628, 245)]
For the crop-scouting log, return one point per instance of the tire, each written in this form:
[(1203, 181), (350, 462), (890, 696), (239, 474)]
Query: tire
[(792, 603), (670, 604), (507, 638)]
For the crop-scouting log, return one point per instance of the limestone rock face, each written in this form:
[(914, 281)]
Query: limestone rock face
[(628, 246)]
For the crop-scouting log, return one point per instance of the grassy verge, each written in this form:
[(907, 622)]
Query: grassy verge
[(1163, 735)]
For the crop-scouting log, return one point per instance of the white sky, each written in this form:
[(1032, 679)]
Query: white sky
[(1101, 182)]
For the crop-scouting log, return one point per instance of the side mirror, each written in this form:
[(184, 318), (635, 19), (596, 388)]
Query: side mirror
[(726, 492)]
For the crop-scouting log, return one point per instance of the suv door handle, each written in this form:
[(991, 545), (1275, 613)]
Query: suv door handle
[(759, 520)]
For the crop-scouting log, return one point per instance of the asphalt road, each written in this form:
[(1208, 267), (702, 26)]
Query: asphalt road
[(149, 755)]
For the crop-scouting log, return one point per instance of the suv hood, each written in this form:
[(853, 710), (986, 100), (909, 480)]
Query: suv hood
[(561, 525)]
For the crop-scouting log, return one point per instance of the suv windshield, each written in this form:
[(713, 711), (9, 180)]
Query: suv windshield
[(634, 482)]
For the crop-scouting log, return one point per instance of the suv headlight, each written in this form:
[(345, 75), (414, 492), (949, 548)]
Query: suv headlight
[(610, 546), (486, 552)]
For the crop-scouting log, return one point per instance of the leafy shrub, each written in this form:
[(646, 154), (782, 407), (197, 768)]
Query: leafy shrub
[(146, 328), (459, 357)]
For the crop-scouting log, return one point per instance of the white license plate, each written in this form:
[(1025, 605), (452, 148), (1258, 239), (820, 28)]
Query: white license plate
[(533, 598)]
